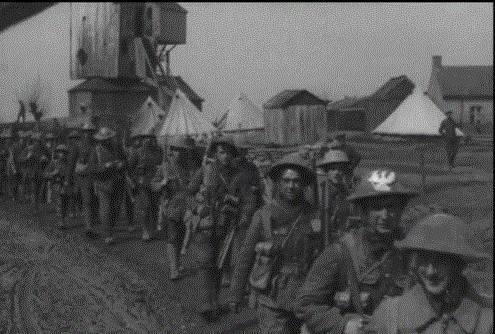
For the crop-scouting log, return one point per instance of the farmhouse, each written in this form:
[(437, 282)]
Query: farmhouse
[(467, 91)]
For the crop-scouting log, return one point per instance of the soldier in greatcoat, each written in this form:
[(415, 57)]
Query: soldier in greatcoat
[(107, 165), (38, 164), (74, 138), (442, 301), (143, 165), (84, 180), (354, 274), (448, 131), (280, 233)]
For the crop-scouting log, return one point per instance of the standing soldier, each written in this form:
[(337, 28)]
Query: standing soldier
[(24, 158), (142, 169), (129, 196), (107, 164), (84, 181), (73, 144), (353, 275), (280, 233), (442, 301), (11, 167), (39, 164), (448, 131), (51, 142), (335, 186)]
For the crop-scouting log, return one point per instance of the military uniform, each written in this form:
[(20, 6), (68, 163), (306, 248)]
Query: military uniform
[(107, 164), (84, 180), (462, 311), (142, 169), (271, 224), (448, 131), (354, 269)]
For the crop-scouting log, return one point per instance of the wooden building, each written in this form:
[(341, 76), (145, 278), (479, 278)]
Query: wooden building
[(105, 36), (294, 117), (366, 113), (465, 90)]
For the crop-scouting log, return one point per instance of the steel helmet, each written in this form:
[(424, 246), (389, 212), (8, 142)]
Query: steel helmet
[(443, 233), (295, 161), (331, 157), (225, 142), (380, 182)]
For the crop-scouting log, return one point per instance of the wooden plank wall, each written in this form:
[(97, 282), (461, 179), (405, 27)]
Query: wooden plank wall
[(98, 35)]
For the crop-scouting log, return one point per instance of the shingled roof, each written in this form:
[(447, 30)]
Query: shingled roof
[(461, 82), (283, 98)]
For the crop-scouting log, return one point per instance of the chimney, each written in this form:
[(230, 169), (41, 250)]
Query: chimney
[(437, 61)]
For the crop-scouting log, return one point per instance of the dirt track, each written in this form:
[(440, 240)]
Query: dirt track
[(467, 191)]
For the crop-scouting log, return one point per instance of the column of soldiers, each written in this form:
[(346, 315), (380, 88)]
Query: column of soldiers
[(341, 264)]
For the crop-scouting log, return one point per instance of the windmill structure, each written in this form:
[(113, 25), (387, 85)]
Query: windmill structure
[(121, 46)]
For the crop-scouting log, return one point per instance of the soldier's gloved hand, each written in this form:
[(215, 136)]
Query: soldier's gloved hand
[(354, 326), (234, 307)]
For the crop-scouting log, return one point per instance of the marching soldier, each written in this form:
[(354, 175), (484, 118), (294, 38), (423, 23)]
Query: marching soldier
[(56, 172), (280, 234), (38, 165), (339, 143), (171, 182), (335, 186), (210, 184), (51, 141), (129, 196), (353, 275), (442, 301), (4, 155), (107, 164), (84, 181), (142, 170)]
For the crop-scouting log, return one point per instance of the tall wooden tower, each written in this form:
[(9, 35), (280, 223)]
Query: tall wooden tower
[(121, 44)]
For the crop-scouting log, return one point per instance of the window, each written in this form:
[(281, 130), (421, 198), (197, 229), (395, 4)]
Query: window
[(474, 114)]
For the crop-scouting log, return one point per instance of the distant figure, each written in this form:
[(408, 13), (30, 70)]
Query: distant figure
[(22, 112), (34, 111), (447, 130)]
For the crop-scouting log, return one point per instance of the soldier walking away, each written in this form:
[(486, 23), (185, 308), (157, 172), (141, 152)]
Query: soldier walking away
[(84, 180), (448, 131), (108, 166), (279, 235), (335, 186), (143, 165), (442, 301), (354, 274)]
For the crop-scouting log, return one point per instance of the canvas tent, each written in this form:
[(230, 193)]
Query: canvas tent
[(183, 119), (243, 114), (417, 115), (148, 115)]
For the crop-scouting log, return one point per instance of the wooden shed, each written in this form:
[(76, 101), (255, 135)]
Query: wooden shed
[(294, 117), (113, 100)]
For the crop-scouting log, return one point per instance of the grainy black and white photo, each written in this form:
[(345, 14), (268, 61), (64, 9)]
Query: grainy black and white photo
[(246, 168)]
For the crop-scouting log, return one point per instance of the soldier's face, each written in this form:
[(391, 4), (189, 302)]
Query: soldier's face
[(435, 271), (384, 214), (224, 155), (290, 185), (335, 171)]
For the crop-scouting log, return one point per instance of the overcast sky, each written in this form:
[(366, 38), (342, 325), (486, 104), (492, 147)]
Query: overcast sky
[(330, 49)]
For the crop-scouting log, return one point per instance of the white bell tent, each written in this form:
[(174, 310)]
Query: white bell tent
[(243, 114)]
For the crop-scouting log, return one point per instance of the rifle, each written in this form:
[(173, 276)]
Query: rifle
[(227, 243)]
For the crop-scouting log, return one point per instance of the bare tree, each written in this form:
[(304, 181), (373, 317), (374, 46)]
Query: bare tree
[(37, 96)]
